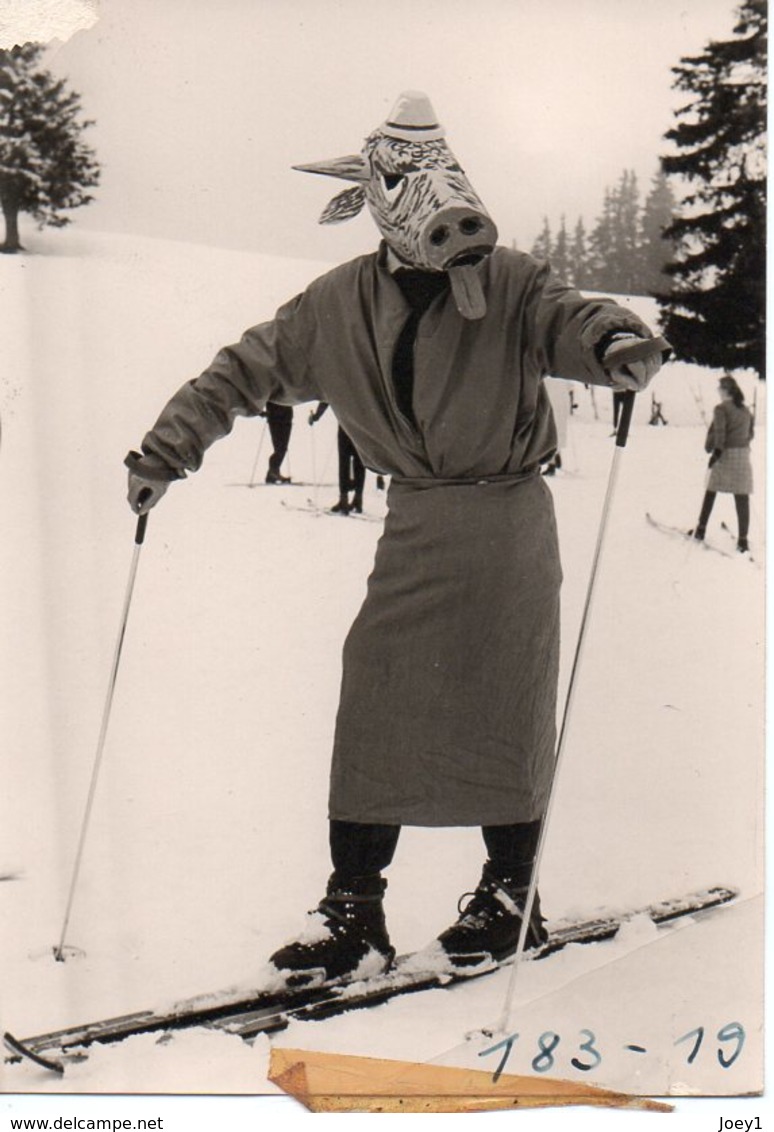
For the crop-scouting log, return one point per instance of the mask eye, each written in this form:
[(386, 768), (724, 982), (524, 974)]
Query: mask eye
[(393, 184)]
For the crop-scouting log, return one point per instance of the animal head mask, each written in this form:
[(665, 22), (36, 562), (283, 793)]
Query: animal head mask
[(422, 202)]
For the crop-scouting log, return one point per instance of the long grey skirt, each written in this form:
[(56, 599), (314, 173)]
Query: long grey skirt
[(447, 713)]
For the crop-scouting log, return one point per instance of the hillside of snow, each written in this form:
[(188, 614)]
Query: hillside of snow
[(208, 838)]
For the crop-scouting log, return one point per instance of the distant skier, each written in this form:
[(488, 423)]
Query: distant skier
[(431, 352), (656, 412), (280, 421), (351, 469), (560, 396), (728, 441)]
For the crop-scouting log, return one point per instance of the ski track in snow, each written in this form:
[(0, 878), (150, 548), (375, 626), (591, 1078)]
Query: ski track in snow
[(208, 840)]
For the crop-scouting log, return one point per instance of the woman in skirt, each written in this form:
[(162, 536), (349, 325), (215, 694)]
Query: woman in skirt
[(728, 441)]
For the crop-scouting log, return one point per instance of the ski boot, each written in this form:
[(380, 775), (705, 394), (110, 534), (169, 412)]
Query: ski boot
[(345, 938), (273, 476), (342, 507), (487, 931), (743, 546), (357, 504), (697, 533)]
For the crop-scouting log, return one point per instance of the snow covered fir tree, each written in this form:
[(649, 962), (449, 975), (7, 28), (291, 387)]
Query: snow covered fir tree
[(45, 165), (714, 311)]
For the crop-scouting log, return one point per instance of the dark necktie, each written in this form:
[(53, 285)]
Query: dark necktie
[(419, 289)]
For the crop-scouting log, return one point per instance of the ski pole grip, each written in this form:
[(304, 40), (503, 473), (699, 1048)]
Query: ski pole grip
[(625, 419)]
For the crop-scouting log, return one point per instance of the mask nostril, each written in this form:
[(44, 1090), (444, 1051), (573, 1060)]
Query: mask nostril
[(470, 226), (439, 235)]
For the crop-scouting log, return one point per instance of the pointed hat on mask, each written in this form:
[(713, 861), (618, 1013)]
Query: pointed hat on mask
[(413, 119)]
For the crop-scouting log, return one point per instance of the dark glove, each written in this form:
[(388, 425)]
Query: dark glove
[(717, 453), (149, 478)]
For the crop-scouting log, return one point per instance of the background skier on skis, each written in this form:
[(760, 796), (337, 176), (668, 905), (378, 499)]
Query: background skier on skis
[(728, 443), (431, 352), (280, 421), (351, 469)]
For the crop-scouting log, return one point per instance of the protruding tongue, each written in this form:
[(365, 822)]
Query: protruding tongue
[(467, 290)]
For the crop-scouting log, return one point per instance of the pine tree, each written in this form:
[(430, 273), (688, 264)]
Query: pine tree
[(560, 257), (45, 167), (623, 266), (714, 313), (601, 245), (543, 245), (655, 249), (578, 270)]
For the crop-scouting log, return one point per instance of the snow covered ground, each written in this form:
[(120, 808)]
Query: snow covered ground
[(208, 837)]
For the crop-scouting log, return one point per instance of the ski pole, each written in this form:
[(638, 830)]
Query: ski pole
[(138, 541), (257, 456), (620, 443), (315, 485)]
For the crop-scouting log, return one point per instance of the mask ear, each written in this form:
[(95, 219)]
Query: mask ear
[(344, 206)]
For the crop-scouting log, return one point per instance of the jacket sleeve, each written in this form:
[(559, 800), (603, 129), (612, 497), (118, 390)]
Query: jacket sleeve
[(571, 332), (267, 364), (716, 436)]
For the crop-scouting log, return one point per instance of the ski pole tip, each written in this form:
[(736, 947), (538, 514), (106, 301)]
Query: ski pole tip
[(21, 1049)]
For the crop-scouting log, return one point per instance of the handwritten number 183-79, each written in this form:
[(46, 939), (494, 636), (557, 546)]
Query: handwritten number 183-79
[(730, 1037)]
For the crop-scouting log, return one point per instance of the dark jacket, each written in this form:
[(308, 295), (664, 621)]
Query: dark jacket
[(478, 398), (448, 703)]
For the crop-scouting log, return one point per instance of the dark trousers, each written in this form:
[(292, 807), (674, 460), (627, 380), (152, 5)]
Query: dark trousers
[(351, 467), (742, 503), (363, 849), (280, 421)]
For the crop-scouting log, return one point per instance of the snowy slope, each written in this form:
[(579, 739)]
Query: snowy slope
[(208, 838)]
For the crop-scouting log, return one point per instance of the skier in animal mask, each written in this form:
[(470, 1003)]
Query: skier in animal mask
[(431, 352)]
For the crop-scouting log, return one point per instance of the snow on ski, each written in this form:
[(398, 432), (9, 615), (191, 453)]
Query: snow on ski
[(248, 1014), (313, 508), (727, 530), (290, 483), (678, 532)]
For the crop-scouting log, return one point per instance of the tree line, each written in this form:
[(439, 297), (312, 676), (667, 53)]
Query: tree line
[(701, 252), (697, 242), (626, 251)]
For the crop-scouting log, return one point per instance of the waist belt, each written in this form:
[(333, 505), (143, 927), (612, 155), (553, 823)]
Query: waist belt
[(466, 481)]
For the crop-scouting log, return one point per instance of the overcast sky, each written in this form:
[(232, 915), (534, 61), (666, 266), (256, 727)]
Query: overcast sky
[(202, 107)]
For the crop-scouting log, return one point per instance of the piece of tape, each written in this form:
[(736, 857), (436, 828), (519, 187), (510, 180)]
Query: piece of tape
[(330, 1082)]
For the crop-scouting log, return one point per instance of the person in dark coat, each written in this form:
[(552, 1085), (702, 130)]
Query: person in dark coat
[(431, 352), (351, 469), (728, 442), (280, 421)]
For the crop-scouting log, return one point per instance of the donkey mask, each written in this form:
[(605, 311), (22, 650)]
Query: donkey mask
[(422, 202)]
